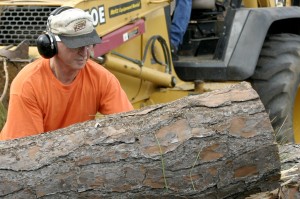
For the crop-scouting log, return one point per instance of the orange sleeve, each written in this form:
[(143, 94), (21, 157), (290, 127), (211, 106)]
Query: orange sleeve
[(24, 118)]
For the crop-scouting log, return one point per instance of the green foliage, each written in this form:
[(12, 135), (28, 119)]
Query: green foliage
[(3, 114)]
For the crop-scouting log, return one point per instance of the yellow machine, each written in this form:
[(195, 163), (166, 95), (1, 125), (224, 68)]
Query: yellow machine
[(227, 41)]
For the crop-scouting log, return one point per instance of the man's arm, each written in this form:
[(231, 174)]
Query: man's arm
[(24, 118)]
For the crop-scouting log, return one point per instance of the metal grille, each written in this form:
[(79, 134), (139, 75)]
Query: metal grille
[(22, 23)]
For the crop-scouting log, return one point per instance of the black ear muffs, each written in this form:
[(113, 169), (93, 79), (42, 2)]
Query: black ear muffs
[(60, 10), (46, 43)]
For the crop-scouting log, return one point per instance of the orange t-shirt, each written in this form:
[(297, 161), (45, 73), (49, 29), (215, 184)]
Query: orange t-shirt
[(40, 103)]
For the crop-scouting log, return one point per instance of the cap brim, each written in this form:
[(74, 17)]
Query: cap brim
[(81, 40)]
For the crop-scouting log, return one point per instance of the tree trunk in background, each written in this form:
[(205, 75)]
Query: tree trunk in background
[(215, 145)]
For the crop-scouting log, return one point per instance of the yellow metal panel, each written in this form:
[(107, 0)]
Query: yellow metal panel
[(265, 3), (146, 73), (288, 2), (40, 2), (117, 13), (250, 3), (140, 84)]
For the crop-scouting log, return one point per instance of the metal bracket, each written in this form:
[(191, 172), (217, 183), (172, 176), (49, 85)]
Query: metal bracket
[(20, 52)]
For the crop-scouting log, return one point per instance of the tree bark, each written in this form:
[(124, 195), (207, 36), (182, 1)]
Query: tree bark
[(290, 169), (215, 145), (290, 175)]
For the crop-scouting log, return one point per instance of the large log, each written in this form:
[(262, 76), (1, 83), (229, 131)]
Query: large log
[(215, 145)]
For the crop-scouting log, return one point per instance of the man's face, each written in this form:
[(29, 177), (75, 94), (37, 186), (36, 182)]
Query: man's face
[(75, 58)]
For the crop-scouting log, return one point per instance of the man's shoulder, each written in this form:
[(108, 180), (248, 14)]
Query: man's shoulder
[(94, 64), (97, 68), (32, 67), (30, 73), (98, 72)]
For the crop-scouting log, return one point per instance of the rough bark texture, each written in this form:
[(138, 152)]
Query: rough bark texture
[(290, 175), (290, 166), (215, 145)]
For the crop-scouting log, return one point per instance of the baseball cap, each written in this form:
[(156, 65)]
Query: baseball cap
[(74, 27)]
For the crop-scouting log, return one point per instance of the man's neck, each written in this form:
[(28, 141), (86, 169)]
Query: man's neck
[(62, 72)]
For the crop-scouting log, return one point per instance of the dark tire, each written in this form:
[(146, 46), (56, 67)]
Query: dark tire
[(276, 79)]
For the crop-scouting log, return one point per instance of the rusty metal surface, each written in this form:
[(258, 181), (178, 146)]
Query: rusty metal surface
[(19, 52)]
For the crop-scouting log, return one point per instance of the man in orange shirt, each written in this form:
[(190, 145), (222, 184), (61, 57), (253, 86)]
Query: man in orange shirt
[(65, 86)]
